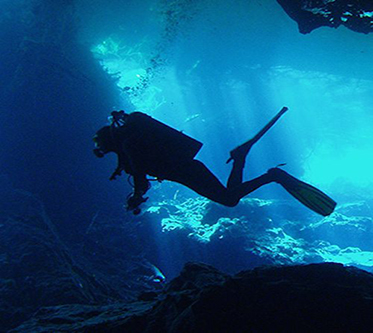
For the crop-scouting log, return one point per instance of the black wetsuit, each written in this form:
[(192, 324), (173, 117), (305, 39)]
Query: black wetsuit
[(140, 157), (146, 146)]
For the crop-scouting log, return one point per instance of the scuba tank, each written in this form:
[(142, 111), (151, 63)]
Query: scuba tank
[(154, 144)]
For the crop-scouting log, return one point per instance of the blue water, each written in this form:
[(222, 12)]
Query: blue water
[(216, 70), (228, 68)]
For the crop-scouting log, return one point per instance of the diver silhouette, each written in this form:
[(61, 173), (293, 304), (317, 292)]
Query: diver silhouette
[(145, 146)]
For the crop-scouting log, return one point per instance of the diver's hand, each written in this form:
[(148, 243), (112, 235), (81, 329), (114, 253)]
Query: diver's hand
[(133, 203)]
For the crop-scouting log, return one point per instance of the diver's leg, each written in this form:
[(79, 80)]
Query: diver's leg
[(236, 175), (251, 185), (239, 154), (196, 176)]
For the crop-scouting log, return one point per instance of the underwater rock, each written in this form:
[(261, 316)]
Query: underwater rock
[(305, 298), (36, 269), (119, 251), (195, 276), (204, 220), (200, 230), (259, 232), (348, 256), (350, 226), (356, 15)]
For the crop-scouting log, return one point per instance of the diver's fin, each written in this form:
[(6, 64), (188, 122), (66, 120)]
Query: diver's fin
[(307, 194), (243, 150)]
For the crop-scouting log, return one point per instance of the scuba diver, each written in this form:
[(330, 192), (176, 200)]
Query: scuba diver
[(147, 147)]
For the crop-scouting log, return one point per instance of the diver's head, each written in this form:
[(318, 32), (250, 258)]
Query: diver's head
[(104, 142)]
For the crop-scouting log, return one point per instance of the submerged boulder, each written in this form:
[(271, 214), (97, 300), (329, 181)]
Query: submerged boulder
[(304, 298)]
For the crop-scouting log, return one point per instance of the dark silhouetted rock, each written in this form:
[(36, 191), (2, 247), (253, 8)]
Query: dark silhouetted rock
[(307, 298), (356, 15)]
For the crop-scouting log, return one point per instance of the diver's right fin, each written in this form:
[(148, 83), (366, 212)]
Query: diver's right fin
[(307, 194), (243, 150)]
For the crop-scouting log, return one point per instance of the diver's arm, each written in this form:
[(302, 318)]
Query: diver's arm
[(140, 182), (124, 163), (141, 186)]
